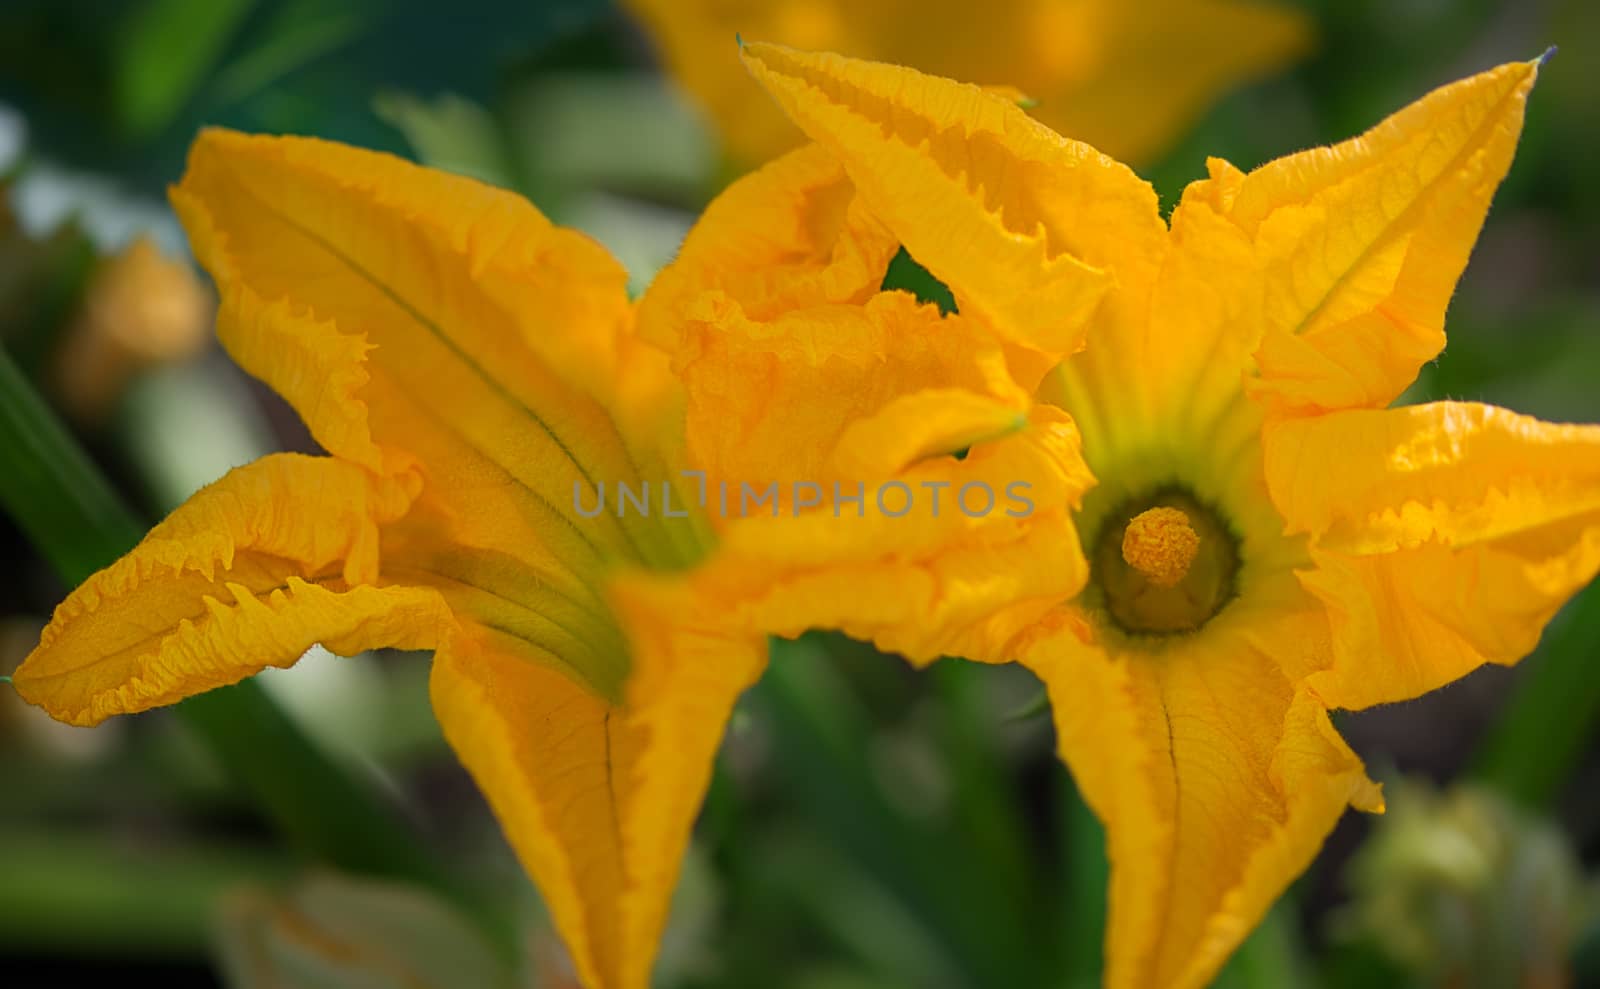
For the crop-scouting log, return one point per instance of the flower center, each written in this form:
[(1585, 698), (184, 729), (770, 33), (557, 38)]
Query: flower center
[(1165, 563), (1160, 544)]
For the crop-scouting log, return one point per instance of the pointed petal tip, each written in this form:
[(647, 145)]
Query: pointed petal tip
[(1549, 53)]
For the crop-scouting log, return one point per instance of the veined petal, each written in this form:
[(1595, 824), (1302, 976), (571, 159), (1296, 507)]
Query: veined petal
[(351, 278), (1183, 363), (251, 572), (1019, 222), (790, 235), (598, 799), (1216, 780), (807, 396), (1361, 244), (1447, 537)]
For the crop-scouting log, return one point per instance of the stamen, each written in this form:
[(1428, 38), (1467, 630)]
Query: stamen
[(1161, 544)]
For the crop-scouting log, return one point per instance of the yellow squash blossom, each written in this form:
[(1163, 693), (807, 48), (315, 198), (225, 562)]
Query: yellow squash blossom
[(851, 404), (1268, 540), (1124, 75), (471, 370), (476, 377)]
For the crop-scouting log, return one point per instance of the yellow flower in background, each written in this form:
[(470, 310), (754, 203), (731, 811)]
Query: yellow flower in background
[(1126, 77), (470, 369), (141, 309), (1267, 541)]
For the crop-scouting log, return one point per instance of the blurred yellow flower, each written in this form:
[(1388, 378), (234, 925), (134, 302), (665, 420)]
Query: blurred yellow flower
[(140, 309), (1124, 76), (1267, 541)]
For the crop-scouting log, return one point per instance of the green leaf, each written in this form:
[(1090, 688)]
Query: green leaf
[(164, 52), (907, 275), (1272, 957), (77, 893), (300, 32), (452, 134), (51, 489), (821, 732), (581, 132)]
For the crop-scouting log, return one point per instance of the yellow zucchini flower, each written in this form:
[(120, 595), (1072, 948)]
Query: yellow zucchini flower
[(1125, 76), (1268, 540), (473, 374), (515, 481)]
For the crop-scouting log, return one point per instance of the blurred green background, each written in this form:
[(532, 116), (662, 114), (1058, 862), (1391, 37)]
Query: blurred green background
[(868, 826)]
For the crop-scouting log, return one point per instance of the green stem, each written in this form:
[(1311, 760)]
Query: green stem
[(1554, 715), (79, 525), (47, 484)]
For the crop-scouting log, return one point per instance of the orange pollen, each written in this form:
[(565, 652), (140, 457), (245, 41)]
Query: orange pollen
[(1160, 544)]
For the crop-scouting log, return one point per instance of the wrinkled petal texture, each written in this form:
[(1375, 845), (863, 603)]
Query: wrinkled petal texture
[(840, 393), (1008, 214), (828, 417), (945, 557), (410, 313), (790, 235), (417, 317), (1126, 78), (1446, 534), (249, 573)]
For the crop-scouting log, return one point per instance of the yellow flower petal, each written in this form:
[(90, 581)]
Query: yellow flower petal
[(821, 394), (945, 556), (1172, 359), (598, 799), (1459, 473), (1447, 535), (1216, 780), (1123, 77), (1361, 244), (788, 236), (1015, 219), (538, 615), (249, 573), (351, 278)]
